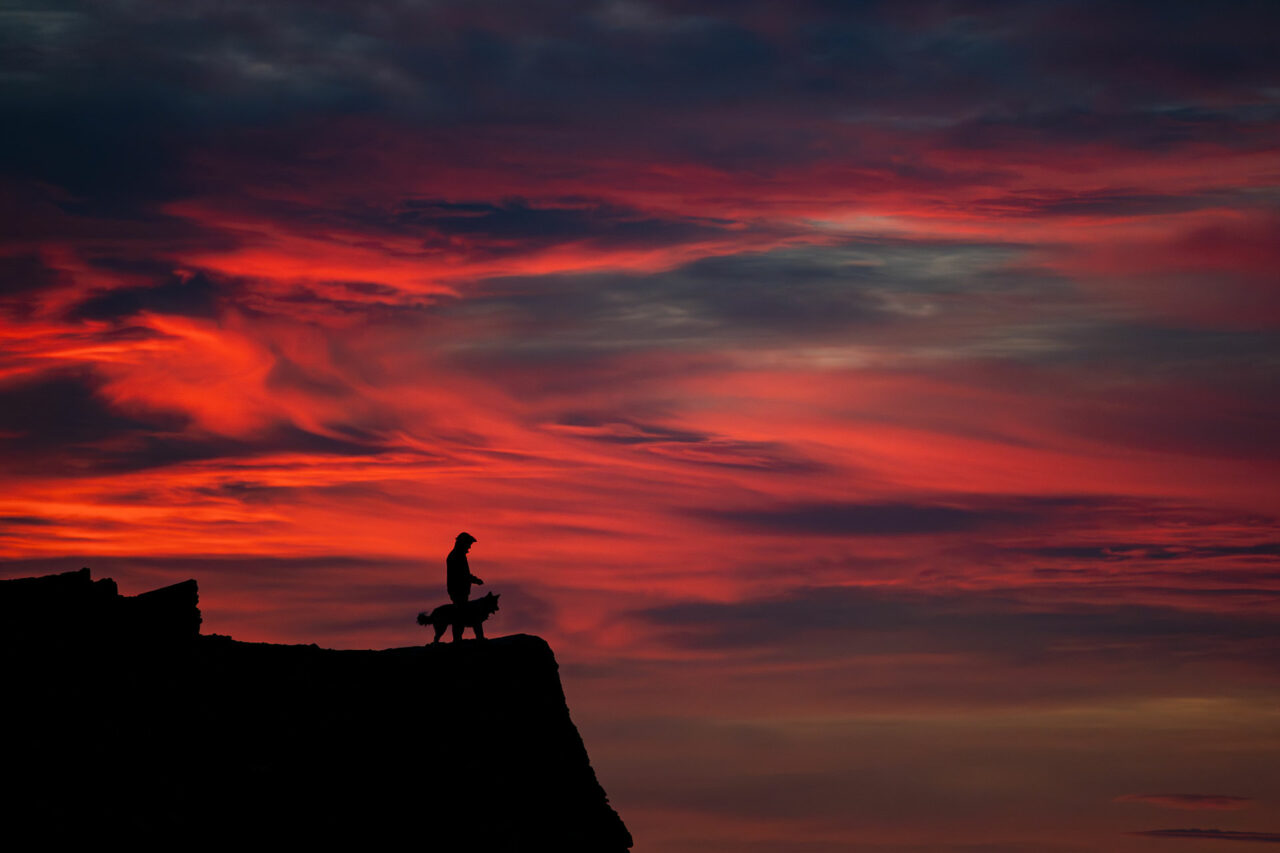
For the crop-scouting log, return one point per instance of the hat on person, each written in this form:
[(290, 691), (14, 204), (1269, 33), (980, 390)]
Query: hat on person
[(464, 537)]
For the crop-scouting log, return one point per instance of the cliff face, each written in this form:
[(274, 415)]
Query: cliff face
[(123, 722)]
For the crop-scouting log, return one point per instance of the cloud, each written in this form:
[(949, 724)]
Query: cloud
[(683, 445), (725, 87), (1009, 626), (1212, 834), (515, 225), (697, 305), (1161, 351), (1189, 802), (902, 518), (1143, 127), (19, 526), (857, 519), (796, 296), (26, 272), (185, 294), (63, 409), (61, 424), (26, 520), (1120, 552), (1117, 202)]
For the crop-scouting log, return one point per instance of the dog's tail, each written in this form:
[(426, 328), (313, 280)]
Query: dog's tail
[(424, 618)]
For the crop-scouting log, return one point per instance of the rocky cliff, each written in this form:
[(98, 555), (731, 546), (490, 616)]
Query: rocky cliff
[(122, 722)]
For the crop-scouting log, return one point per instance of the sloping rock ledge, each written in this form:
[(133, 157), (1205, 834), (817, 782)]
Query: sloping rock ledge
[(122, 722)]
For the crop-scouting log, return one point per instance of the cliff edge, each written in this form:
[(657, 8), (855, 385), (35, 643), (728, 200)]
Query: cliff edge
[(123, 722)]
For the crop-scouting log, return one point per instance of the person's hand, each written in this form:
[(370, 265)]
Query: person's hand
[(477, 580)]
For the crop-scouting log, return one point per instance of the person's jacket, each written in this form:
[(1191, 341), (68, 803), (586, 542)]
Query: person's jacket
[(459, 578)]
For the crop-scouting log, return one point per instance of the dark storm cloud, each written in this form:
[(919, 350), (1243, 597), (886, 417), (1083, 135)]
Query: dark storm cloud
[(889, 620), (60, 424)]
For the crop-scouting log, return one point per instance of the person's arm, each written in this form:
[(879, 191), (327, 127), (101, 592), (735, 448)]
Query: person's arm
[(475, 579)]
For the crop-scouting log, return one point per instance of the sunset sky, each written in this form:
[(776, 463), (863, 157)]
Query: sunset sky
[(875, 405)]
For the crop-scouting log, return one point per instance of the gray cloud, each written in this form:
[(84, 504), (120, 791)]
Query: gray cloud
[(1004, 626), (1213, 834), (805, 296), (106, 100)]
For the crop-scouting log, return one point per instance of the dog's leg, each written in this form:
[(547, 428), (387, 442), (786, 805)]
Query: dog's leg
[(479, 631), (457, 631), (439, 626)]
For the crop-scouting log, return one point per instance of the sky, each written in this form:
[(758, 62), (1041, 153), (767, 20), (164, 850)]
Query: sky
[(874, 404)]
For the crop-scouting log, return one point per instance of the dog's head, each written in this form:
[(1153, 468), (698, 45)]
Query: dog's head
[(490, 603)]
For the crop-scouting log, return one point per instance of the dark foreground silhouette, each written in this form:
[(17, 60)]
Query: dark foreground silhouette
[(122, 723), (466, 614), (458, 577)]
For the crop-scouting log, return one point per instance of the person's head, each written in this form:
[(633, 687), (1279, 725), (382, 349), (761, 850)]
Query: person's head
[(463, 542)]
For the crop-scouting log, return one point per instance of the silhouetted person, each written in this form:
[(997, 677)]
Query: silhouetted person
[(460, 579)]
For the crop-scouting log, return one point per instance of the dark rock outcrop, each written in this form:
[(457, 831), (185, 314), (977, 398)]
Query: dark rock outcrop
[(122, 723)]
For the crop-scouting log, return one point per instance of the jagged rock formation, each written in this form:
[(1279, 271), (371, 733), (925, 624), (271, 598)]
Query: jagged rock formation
[(122, 723)]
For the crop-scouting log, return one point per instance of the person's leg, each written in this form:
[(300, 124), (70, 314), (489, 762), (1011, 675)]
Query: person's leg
[(459, 615)]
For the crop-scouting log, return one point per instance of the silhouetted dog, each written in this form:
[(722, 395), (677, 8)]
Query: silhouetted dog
[(461, 616)]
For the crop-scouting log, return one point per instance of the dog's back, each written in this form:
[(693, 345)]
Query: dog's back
[(467, 615)]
